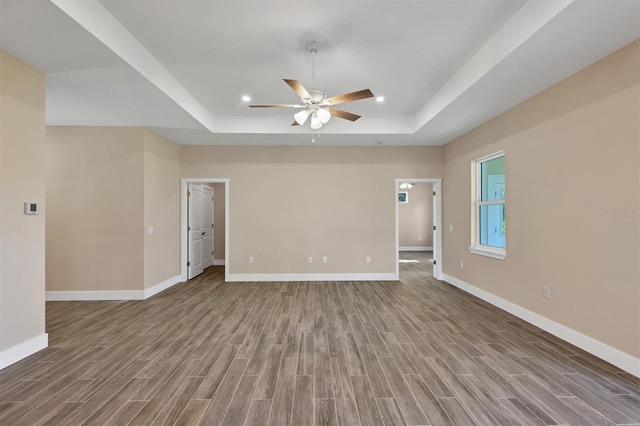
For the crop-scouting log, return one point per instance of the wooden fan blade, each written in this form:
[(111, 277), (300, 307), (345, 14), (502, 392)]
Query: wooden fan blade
[(298, 88), (343, 114), (348, 97), (277, 106), (295, 123)]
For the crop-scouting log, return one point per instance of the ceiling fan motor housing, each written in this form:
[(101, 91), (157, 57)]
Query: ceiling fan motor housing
[(317, 97)]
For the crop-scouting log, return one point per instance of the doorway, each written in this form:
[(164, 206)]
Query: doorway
[(192, 239), (403, 196)]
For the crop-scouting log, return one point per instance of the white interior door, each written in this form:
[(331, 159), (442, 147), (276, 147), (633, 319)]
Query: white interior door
[(195, 266), (207, 227)]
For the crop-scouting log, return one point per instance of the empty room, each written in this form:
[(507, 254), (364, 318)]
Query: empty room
[(294, 213)]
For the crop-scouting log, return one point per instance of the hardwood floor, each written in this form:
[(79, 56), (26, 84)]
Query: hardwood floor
[(412, 352)]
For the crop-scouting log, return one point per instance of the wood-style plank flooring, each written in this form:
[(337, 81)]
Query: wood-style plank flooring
[(206, 352)]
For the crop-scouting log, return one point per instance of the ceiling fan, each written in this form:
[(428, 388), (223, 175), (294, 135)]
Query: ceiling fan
[(315, 103)]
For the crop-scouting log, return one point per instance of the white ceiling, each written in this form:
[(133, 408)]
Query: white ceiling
[(182, 66)]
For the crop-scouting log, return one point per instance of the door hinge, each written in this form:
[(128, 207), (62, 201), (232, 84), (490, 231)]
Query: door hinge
[(188, 263), (188, 228), (188, 193), (434, 227), (211, 253), (434, 193), (435, 262)]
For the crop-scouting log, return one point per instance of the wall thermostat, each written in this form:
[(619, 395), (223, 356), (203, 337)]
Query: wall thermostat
[(31, 208)]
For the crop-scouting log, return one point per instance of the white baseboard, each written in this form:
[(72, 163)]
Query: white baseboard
[(312, 277), (76, 296), (218, 262), (612, 355), (148, 292), (71, 296), (23, 350), (416, 248)]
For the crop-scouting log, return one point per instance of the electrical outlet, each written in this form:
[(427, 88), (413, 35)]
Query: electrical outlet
[(150, 230), (368, 259), (310, 259), (450, 228), (419, 238), (546, 292), (250, 259), (324, 259), (461, 264)]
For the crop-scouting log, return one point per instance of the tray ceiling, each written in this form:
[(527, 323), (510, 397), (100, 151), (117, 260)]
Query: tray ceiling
[(182, 67)]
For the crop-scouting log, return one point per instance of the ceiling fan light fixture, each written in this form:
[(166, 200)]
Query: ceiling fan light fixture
[(316, 123), (301, 116), (406, 185), (324, 115)]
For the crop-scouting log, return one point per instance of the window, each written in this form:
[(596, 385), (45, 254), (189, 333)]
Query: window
[(488, 225)]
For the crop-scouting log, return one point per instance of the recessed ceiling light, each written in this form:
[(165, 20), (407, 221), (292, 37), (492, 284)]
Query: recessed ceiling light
[(246, 98), (380, 99)]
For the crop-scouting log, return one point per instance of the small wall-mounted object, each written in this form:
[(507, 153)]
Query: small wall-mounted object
[(31, 208)]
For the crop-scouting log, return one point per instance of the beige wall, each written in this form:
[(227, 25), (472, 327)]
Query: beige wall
[(22, 179), (218, 219), (161, 209), (105, 187), (571, 154), (416, 217), (288, 203), (95, 198)]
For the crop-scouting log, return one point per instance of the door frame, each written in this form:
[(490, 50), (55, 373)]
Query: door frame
[(184, 223), (437, 187)]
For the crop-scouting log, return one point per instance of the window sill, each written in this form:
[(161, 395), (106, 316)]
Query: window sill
[(495, 253)]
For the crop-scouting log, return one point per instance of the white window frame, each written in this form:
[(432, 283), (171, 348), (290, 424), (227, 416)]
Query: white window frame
[(476, 194)]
